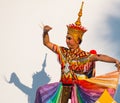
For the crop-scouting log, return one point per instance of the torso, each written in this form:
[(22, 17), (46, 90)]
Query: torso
[(74, 63)]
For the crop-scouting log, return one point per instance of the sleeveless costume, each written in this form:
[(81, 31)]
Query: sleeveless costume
[(77, 80)]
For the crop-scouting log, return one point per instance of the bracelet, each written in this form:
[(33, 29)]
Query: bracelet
[(117, 65), (45, 32)]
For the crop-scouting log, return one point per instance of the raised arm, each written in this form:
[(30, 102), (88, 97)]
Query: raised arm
[(46, 40), (105, 58)]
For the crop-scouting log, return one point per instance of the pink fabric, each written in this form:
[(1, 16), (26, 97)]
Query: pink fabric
[(74, 95)]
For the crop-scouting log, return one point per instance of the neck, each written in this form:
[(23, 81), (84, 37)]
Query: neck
[(77, 47)]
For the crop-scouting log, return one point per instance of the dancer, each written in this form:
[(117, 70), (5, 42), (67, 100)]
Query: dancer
[(77, 80)]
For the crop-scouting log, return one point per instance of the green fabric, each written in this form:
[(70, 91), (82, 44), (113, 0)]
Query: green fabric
[(56, 97), (80, 100)]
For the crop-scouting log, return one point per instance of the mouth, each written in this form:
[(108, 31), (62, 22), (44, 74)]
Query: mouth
[(69, 45)]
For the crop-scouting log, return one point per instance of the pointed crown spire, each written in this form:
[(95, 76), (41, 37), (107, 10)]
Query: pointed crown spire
[(78, 22), (77, 30)]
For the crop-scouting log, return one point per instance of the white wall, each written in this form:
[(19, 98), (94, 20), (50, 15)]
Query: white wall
[(21, 48)]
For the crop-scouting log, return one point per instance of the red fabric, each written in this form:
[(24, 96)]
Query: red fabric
[(93, 51)]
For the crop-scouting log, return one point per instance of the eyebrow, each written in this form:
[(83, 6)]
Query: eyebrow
[(69, 38)]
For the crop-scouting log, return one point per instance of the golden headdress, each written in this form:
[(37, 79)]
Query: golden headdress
[(77, 30)]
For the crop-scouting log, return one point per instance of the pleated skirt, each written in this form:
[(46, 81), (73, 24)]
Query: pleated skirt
[(84, 91)]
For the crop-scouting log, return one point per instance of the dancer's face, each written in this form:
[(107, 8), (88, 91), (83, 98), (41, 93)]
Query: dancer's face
[(71, 43)]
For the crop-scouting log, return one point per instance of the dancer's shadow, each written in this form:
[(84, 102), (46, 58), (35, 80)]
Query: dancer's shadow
[(39, 78)]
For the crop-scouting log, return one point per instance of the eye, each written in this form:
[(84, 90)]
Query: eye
[(69, 38)]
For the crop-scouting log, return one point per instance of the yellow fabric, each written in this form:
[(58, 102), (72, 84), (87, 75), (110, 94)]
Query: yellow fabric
[(81, 76), (109, 80), (105, 98)]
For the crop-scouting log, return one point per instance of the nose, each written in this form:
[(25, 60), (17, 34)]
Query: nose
[(67, 40)]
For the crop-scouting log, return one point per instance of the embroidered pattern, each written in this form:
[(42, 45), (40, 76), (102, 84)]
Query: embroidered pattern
[(73, 63)]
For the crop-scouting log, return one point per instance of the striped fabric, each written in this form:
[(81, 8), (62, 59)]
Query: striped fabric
[(84, 91)]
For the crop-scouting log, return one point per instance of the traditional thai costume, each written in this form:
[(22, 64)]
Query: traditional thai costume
[(78, 81)]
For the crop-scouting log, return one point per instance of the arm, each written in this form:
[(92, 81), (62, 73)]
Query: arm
[(105, 58), (46, 40)]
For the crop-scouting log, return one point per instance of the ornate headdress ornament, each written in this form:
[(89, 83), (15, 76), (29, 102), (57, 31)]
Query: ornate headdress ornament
[(77, 30)]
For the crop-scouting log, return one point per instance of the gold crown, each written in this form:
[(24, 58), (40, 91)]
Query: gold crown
[(77, 29)]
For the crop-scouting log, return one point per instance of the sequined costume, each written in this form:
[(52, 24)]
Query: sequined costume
[(77, 80)]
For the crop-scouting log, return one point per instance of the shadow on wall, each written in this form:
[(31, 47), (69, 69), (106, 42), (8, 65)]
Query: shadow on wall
[(117, 96), (114, 37), (114, 30), (37, 81)]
